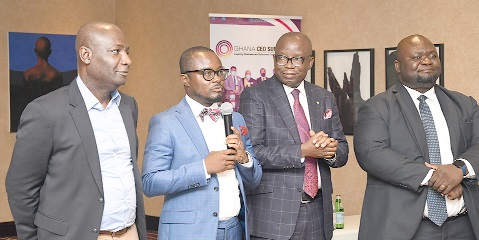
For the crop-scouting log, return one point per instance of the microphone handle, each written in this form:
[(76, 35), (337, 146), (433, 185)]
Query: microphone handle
[(228, 119)]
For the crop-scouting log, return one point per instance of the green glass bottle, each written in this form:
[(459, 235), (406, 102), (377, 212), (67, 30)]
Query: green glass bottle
[(339, 211)]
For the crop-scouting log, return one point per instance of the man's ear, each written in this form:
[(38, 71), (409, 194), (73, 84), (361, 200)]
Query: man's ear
[(397, 66), (85, 54), (185, 80)]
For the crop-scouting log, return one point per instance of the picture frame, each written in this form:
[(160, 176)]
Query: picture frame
[(27, 79), (310, 77), (356, 68), (391, 75)]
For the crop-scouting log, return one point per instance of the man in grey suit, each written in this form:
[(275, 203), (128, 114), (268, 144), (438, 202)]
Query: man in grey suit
[(73, 173), (419, 144), (297, 136)]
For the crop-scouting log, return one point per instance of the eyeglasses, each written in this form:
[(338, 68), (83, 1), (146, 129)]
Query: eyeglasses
[(209, 74), (282, 60)]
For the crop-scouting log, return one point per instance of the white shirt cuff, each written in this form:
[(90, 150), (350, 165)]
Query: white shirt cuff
[(208, 176), (249, 164)]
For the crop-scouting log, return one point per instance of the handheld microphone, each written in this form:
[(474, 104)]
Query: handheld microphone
[(227, 112)]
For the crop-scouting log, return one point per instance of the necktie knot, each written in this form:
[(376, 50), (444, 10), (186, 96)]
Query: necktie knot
[(213, 113), (422, 98), (295, 94)]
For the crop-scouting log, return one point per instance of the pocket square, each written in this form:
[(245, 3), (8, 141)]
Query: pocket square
[(244, 130), (328, 113)]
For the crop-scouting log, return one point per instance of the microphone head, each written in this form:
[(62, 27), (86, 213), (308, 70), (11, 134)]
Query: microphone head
[(226, 108)]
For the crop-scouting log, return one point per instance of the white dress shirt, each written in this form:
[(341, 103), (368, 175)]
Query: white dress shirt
[(215, 138), (115, 160), (455, 206)]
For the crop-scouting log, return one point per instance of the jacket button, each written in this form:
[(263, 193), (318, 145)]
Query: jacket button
[(215, 214), (94, 230), (100, 200), (216, 189)]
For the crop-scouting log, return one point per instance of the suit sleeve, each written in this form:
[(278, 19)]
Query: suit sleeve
[(375, 155), (251, 176), (158, 176), (471, 130), (337, 133), (278, 156), (28, 169)]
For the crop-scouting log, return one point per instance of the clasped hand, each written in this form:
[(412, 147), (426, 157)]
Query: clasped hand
[(446, 179), (319, 145), (220, 161)]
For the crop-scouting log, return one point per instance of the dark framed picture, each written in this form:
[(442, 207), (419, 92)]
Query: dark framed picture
[(39, 63), (391, 75), (349, 75), (310, 77)]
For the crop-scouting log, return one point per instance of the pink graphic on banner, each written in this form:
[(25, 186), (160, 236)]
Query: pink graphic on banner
[(224, 48)]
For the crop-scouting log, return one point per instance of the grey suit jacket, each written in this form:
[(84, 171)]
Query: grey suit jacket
[(54, 182), (274, 204), (390, 145)]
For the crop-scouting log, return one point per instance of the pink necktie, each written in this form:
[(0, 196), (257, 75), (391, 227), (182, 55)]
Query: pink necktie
[(310, 170)]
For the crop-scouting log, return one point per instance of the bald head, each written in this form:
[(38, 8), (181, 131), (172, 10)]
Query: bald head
[(405, 44), (297, 46), (417, 64), (88, 32), (296, 38), (43, 47)]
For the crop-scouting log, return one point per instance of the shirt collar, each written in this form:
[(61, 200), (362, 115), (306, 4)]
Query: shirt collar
[(196, 107), (430, 94), (288, 89), (90, 99)]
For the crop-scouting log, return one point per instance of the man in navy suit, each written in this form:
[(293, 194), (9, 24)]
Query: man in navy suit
[(296, 148), (187, 160)]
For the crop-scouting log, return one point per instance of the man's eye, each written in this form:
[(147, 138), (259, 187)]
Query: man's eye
[(115, 51)]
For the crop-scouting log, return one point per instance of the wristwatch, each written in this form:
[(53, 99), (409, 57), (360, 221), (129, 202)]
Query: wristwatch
[(462, 165)]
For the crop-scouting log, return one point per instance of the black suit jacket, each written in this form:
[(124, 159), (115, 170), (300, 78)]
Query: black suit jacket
[(274, 204), (54, 182), (390, 145)]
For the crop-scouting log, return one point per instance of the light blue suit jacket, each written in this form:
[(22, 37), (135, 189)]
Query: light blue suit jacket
[(173, 166)]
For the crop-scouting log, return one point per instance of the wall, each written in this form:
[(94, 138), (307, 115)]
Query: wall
[(158, 31), (47, 16)]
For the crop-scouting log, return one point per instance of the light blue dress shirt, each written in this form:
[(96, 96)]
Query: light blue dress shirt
[(115, 160)]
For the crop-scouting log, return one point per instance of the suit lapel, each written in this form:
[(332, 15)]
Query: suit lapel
[(85, 130), (314, 113), (188, 121), (452, 118), (280, 100), (412, 118), (127, 116)]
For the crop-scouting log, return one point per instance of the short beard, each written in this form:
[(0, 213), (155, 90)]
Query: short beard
[(431, 79)]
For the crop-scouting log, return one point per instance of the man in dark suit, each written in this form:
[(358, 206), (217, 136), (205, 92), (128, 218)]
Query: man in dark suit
[(73, 173), (297, 136), (419, 144)]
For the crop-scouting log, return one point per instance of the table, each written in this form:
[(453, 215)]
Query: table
[(351, 229)]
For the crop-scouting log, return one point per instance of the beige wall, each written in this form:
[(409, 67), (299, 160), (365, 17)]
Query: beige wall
[(158, 31)]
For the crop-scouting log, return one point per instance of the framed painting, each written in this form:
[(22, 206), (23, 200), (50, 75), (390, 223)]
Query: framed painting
[(356, 68), (39, 64)]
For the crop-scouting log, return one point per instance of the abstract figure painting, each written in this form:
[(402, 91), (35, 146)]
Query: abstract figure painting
[(356, 67)]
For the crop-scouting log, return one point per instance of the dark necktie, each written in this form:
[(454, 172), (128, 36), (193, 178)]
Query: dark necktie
[(436, 204), (311, 169), (214, 114)]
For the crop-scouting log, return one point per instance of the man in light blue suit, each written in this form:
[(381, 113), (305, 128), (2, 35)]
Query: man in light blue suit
[(187, 160)]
